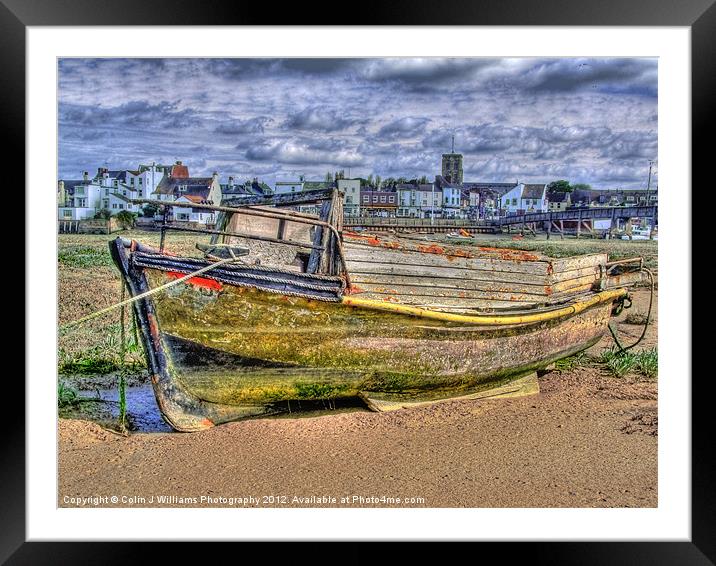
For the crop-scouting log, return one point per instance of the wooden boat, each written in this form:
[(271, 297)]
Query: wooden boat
[(290, 309)]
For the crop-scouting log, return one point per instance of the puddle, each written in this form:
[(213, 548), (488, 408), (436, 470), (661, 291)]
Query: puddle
[(141, 407)]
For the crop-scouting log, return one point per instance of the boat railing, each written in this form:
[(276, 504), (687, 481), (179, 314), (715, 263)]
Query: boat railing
[(326, 249)]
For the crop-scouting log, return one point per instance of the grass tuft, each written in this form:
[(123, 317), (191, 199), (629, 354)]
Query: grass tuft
[(645, 362), (635, 318), (572, 362), (66, 395)]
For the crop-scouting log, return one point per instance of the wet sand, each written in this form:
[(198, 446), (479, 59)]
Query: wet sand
[(586, 440)]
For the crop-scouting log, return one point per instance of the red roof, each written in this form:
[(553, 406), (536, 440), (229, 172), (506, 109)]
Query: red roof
[(179, 171)]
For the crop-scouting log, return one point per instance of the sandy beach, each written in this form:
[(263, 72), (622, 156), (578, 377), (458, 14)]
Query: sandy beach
[(588, 439)]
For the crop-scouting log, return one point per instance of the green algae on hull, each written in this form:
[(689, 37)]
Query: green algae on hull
[(244, 347)]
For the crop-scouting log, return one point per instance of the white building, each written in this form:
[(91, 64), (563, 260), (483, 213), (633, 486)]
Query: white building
[(79, 199), (451, 201), (419, 201), (525, 198), (110, 190), (192, 214), (351, 196)]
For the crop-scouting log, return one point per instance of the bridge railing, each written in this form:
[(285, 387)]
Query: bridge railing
[(439, 222)]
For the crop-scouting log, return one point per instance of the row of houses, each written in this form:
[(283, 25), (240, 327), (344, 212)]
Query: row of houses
[(114, 191)]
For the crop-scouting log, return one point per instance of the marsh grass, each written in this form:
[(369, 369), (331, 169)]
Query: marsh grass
[(572, 362), (619, 364), (84, 257)]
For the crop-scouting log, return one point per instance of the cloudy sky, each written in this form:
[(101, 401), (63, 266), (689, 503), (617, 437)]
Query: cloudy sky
[(585, 120)]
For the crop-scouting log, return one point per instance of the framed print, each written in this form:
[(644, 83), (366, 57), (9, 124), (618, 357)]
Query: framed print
[(356, 219)]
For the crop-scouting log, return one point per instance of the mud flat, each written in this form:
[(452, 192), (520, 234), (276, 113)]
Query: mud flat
[(587, 439)]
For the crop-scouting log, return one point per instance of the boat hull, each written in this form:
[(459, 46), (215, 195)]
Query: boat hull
[(220, 352)]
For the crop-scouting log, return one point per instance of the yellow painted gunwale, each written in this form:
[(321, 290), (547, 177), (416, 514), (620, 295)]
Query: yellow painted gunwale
[(485, 320)]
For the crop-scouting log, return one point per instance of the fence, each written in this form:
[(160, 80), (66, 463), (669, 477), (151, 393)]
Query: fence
[(89, 226)]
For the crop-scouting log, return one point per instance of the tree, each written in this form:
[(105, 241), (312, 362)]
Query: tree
[(126, 219), (581, 187), (377, 181), (560, 186), (149, 210), (103, 214)]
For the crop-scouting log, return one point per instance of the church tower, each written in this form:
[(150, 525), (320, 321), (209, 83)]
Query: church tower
[(452, 165)]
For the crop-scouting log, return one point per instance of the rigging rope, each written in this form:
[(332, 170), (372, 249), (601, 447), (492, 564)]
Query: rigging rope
[(148, 293), (622, 349)]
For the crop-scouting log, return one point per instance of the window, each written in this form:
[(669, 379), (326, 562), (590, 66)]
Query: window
[(67, 213), (121, 206), (140, 181), (131, 181), (116, 183), (375, 199), (114, 205), (106, 192), (391, 199), (366, 199), (349, 200)]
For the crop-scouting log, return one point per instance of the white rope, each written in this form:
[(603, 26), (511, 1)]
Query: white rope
[(148, 293)]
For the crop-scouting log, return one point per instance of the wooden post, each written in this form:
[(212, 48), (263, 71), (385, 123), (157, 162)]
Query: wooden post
[(612, 223), (549, 225), (579, 224), (561, 229)]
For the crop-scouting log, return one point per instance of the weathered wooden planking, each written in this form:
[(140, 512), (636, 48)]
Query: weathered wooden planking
[(574, 273), (388, 268), (574, 283), (560, 265), (357, 252), (454, 283)]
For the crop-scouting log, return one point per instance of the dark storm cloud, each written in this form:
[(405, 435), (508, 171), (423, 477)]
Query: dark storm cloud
[(635, 76), (319, 65), (249, 126), (137, 113), (423, 70), (320, 119)]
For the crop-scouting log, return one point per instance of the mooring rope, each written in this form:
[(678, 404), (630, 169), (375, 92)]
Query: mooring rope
[(147, 293), (623, 349)]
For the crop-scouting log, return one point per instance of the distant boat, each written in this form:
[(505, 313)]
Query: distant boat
[(640, 234), (293, 309), (461, 237)]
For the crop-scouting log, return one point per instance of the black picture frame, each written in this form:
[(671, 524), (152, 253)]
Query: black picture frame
[(699, 15)]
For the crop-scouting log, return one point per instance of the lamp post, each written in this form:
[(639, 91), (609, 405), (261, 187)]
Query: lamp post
[(432, 205)]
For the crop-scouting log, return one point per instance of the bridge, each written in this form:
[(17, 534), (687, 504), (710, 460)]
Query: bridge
[(555, 220), (596, 213)]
